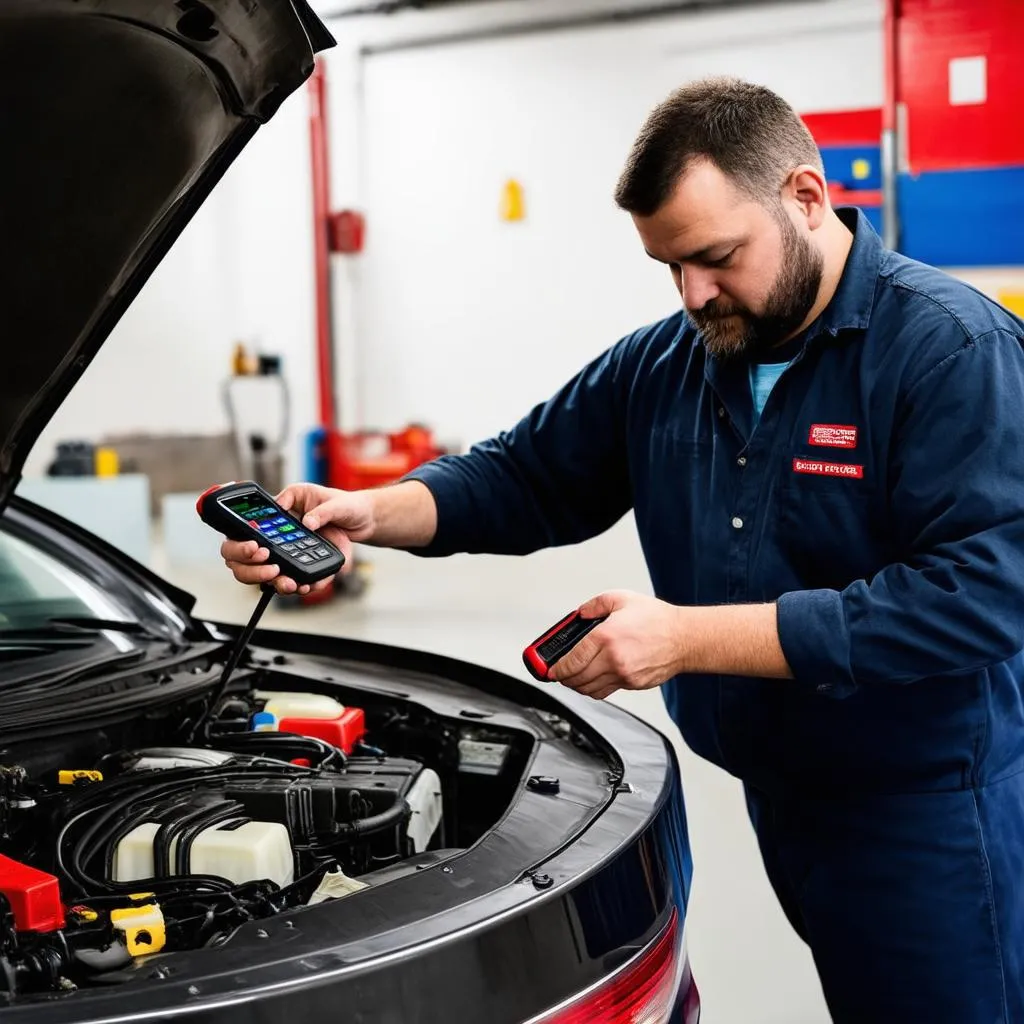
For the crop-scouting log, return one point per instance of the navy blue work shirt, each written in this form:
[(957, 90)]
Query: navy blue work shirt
[(879, 500)]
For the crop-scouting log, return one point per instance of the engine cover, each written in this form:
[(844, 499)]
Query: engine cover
[(245, 818)]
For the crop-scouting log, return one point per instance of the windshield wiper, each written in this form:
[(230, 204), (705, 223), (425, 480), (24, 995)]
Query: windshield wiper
[(65, 634), (94, 625), (22, 643)]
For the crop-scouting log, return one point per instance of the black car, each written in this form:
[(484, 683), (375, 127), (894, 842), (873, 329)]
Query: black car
[(345, 831)]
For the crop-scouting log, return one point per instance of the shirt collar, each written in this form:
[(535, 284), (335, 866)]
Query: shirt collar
[(851, 306)]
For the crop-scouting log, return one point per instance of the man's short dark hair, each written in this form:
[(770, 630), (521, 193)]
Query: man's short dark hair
[(751, 134)]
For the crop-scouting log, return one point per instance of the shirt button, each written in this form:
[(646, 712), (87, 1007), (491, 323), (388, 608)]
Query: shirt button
[(721, 413), (741, 461), (737, 523)]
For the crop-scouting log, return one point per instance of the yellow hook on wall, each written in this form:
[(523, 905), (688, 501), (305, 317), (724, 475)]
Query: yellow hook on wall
[(513, 202)]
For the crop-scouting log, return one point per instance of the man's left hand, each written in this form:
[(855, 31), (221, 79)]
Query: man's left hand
[(639, 646)]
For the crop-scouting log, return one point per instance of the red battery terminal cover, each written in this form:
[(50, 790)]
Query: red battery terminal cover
[(343, 732), (34, 897)]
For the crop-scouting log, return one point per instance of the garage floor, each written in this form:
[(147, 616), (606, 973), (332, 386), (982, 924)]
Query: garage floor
[(749, 966)]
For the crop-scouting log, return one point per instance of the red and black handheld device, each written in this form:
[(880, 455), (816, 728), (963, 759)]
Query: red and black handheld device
[(245, 511), (556, 643)]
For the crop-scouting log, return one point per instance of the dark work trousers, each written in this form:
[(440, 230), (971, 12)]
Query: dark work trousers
[(912, 904)]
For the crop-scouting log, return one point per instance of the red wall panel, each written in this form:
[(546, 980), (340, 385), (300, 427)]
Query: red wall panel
[(845, 127), (942, 136)]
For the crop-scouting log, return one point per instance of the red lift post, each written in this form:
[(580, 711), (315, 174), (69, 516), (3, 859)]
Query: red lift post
[(365, 458)]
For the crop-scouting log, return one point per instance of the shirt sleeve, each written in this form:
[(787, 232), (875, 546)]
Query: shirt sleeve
[(956, 604), (560, 476)]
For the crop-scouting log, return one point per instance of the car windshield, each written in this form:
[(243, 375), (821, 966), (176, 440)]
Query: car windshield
[(36, 590)]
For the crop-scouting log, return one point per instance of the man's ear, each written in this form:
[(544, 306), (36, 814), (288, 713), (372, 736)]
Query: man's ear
[(807, 189)]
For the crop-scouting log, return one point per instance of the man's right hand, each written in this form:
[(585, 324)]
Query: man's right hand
[(342, 517)]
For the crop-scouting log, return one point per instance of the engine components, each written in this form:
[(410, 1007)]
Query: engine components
[(239, 850), (311, 714), (134, 852)]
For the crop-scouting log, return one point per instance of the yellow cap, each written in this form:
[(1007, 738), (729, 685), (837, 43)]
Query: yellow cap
[(144, 929), (69, 777)]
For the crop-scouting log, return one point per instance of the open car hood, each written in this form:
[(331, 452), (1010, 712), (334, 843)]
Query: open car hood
[(118, 118)]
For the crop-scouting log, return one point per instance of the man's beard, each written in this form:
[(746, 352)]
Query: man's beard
[(730, 331)]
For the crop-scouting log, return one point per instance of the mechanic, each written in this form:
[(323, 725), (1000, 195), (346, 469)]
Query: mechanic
[(824, 451)]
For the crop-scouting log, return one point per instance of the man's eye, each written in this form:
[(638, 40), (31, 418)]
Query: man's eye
[(722, 261)]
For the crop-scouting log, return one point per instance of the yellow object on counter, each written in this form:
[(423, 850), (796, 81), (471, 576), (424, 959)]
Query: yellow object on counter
[(107, 462)]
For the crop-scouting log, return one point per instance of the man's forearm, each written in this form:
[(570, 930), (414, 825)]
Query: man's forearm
[(404, 516), (735, 640)]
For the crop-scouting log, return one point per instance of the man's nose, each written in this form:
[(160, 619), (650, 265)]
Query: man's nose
[(698, 288)]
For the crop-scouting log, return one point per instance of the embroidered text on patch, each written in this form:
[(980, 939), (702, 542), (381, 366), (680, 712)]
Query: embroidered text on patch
[(832, 435), (843, 469)]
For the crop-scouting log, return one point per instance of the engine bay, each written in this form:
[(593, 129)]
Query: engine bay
[(289, 799)]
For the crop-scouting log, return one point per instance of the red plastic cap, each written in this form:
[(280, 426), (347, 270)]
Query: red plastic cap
[(34, 897), (343, 732)]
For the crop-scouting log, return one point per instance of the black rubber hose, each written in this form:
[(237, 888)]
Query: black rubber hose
[(267, 593), (228, 811), (394, 815), (109, 842), (91, 843), (170, 828), (290, 743), (198, 778)]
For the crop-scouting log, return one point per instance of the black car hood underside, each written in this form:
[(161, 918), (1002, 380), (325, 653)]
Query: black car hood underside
[(118, 118)]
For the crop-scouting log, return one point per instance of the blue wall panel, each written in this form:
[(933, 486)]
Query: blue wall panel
[(963, 218), (840, 165)]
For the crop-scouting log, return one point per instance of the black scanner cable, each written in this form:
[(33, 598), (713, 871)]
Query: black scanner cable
[(266, 596)]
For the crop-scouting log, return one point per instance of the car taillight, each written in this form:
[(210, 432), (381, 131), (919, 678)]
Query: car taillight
[(644, 991)]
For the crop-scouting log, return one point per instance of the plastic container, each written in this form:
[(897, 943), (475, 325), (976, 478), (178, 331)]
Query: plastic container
[(299, 705), (246, 853), (256, 850), (344, 731), (426, 803)]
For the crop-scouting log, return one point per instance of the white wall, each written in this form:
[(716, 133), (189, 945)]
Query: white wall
[(446, 299), (465, 321)]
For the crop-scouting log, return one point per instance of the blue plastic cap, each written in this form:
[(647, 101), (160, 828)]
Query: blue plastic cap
[(264, 721)]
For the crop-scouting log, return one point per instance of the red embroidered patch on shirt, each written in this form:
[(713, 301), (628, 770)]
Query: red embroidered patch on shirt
[(831, 435), (845, 469)]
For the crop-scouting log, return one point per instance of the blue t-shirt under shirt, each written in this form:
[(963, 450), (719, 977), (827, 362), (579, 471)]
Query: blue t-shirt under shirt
[(764, 375), (762, 379)]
